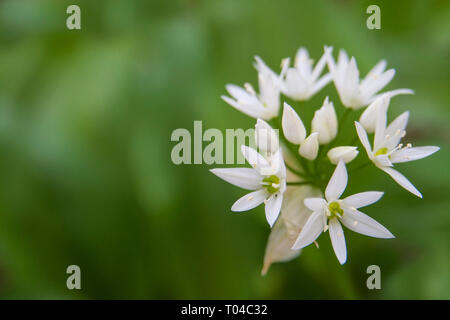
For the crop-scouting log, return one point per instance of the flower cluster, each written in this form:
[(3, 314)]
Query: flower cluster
[(300, 176)]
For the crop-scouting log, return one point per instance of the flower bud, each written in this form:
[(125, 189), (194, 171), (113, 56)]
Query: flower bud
[(344, 153), (293, 127), (325, 122), (310, 146), (265, 137)]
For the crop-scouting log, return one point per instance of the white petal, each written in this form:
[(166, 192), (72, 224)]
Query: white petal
[(398, 123), (411, 154), (383, 160), (320, 65), (245, 178), (322, 82), (310, 147), (293, 127), (252, 110), (395, 129), (273, 207), (256, 160), (266, 138), (344, 153), (392, 93), (250, 201), (362, 134), (325, 122), (359, 222), (369, 116), (378, 83), (293, 211), (337, 183), (363, 199), (315, 204), (338, 240), (402, 180), (351, 81), (380, 125), (312, 229)]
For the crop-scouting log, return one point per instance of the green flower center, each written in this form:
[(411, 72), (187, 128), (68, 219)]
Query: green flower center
[(335, 209), (271, 183), (381, 151)]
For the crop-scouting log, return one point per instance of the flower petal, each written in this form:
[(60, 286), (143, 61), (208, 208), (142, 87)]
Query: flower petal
[(245, 178), (363, 199), (362, 134), (253, 110), (395, 129), (293, 127), (312, 229), (315, 204), (402, 180), (310, 147), (380, 124), (250, 201), (359, 222), (377, 83), (337, 183), (256, 160), (265, 136), (273, 207), (411, 154), (338, 240)]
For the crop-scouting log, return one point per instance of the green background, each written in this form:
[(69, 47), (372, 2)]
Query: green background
[(85, 171)]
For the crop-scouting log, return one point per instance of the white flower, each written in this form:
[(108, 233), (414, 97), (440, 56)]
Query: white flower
[(329, 213), (264, 105), (302, 81), (369, 116), (354, 93), (388, 150), (344, 153), (292, 218), (325, 122), (267, 178), (265, 137), (295, 132)]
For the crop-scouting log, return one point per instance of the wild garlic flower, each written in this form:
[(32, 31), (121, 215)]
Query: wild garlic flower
[(298, 204), (267, 178), (295, 132), (328, 214), (325, 122), (387, 149), (353, 92), (264, 105), (303, 81)]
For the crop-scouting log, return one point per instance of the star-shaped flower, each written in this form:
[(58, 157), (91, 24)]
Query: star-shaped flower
[(264, 105), (387, 149), (356, 93), (267, 177), (303, 81), (329, 213)]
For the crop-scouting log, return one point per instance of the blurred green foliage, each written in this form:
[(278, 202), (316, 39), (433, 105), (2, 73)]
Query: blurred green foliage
[(86, 176)]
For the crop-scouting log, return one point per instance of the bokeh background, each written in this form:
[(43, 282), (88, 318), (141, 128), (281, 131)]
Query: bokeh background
[(85, 171)]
